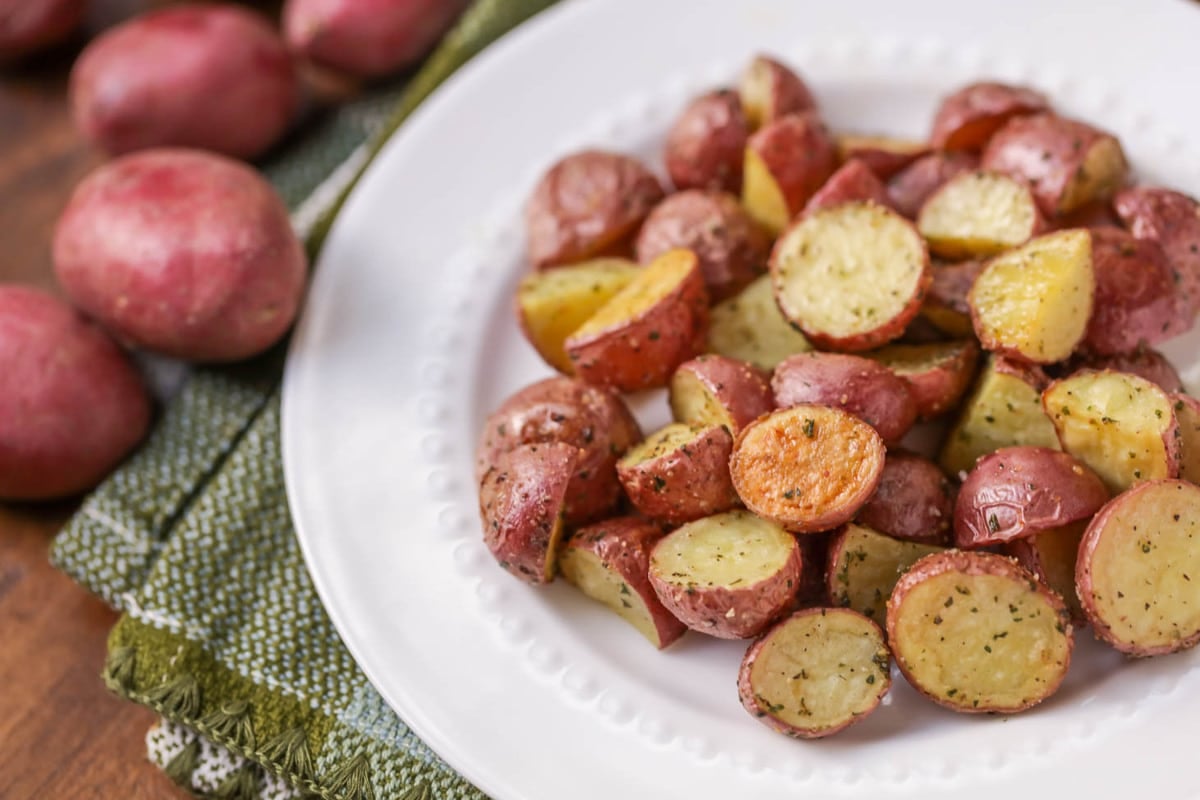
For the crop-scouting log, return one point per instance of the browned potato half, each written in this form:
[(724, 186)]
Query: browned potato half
[(1171, 219), (551, 305), (727, 575), (1004, 409), (1187, 414), (864, 566), (680, 473), (651, 326), (1136, 299), (1143, 362), (937, 374), (883, 155), (979, 214), (1034, 302), (610, 563), (715, 390), (1120, 425), (750, 328), (787, 160), (769, 90), (976, 632), (522, 501), (808, 468), (707, 143), (731, 247), (815, 673), (914, 501), (854, 180), (967, 118), (1050, 555), (860, 386), (1017, 492), (1135, 566), (1068, 164), (946, 301), (850, 277), (911, 187), (587, 204)]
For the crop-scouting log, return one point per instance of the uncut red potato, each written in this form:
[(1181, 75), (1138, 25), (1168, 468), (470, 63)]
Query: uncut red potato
[(1173, 220), (809, 468), (1143, 362), (715, 390), (979, 214), (679, 473), (883, 155), (976, 632), (1135, 566), (26, 27), (587, 204), (609, 562), (1068, 164), (706, 144), (967, 118), (914, 501), (937, 374), (1051, 555), (1187, 414), (946, 301), (769, 90), (863, 566), (731, 247), (1136, 299), (912, 186), (854, 180), (815, 673), (749, 327), (786, 162), (850, 277)]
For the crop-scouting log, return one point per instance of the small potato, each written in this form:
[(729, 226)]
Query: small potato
[(815, 673), (850, 277), (217, 273), (727, 575), (769, 91), (1051, 555), (967, 118), (1068, 164), (937, 374), (860, 386), (787, 161), (658, 321), (1136, 300), (1143, 362), (26, 27), (1172, 220), (864, 565), (680, 473), (715, 390), (1135, 566), (209, 76), (854, 180), (1187, 414), (975, 632), (914, 501), (883, 155), (610, 563), (707, 144), (809, 468), (588, 204), (979, 214), (749, 327), (73, 406), (946, 301), (912, 186), (1018, 492), (731, 247)]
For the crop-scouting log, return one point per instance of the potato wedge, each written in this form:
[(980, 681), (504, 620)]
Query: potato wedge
[(1051, 555), (680, 473), (883, 155), (610, 563), (1120, 425), (750, 328), (808, 468), (914, 501), (1034, 302), (864, 565), (1136, 299), (1143, 362), (1135, 566), (850, 277), (706, 145), (1187, 414), (769, 90), (912, 186), (727, 575), (937, 374), (786, 161), (967, 118), (715, 390), (815, 673), (978, 214), (658, 321), (853, 180), (946, 301), (976, 632), (1171, 219)]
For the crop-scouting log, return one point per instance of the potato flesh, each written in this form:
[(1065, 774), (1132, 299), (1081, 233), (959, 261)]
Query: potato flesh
[(588, 572), (978, 214), (663, 441), (916, 359), (868, 566), (731, 550), (749, 327), (762, 195), (1115, 423), (1037, 300), (650, 285), (1057, 549), (1102, 173), (1187, 413), (691, 400)]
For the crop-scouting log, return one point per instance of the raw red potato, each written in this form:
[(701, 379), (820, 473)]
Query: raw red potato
[(946, 301), (815, 673), (1051, 555), (26, 27), (914, 501), (610, 563), (937, 374), (769, 90), (715, 390), (978, 214), (1136, 300), (854, 180), (883, 155), (863, 567), (1187, 414), (1173, 220), (787, 161), (912, 186), (749, 327), (680, 473), (967, 118), (1143, 362), (707, 144)]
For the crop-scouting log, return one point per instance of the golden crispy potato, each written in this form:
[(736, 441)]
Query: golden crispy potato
[(967, 118), (715, 390), (937, 374), (864, 565), (979, 214), (680, 473), (749, 327), (786, 162), (770, 90), (707, 143)]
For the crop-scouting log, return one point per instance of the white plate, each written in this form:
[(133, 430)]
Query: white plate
[(408, 341)]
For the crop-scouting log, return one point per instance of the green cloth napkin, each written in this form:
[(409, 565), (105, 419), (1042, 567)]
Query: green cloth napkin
[(223, 633)]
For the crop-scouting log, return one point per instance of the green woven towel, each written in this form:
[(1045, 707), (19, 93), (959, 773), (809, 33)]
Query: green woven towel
[(223, 633)]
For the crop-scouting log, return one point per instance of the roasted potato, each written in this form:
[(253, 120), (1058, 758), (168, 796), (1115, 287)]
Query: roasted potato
[(978, 214), (808, 468), (787, 160), (27, 27), (1136, 301), (946, 304), (912, 186), (1135, 566), (651, 326), (1171, 219), (815, 673), (937, 374), (883, 155), (854, 180), (914, 501), (680, 473), (850, 277), (1051, 555), (1143, 362), (976, 632), (715, 390), (727, 575), (864, 565), (588, 204), (749, 327), (769, 90), (1187, 415), (967, 118), (707, 143), (610, 562)]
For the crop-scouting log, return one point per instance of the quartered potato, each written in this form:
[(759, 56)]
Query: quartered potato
[(749, 327), (967, 118), (914, 501), (680, 473), (912, 186), (937, 374), (978, 214), (854, 180), (787, 161), (883, 155), (1051, 556), (707, 143), (715, 390), (864, 566), (770, 90)]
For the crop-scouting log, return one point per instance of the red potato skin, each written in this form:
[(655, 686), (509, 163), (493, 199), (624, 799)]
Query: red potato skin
[(684, 484), (1143, 362), (706, 146), (587, 204), (1173, 220), (788, 93), (26, 27), (367, 38), (743, 390), (854, 180), (939, 389), (857, 385), (799, 153), (946, 301), (213, 77), (73, 405), (1017, 492), (914, 501), (1136, 302), (882, 161), (731, 247), (967, 118), (911, 187), (217, 273)]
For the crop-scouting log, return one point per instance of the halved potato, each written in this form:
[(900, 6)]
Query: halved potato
[(864, 566), (967, 118), (883, 155), (1135, 569), (1034, 302), (1051, 555), (707, 142), (1187, 414), (1172, 219), (850, 277), (914, 501), (727, 575), (976, 632), (912, 186), (1143, 362), (1137, 302), (815, 673), (750, 328), (808, 468), (770, 90), (978, 214), (853, 180), (787, 160), (610, 563), (715, 390), (937, 374), (658, 321), (680, 473), (1120, 425), (946, 301)]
